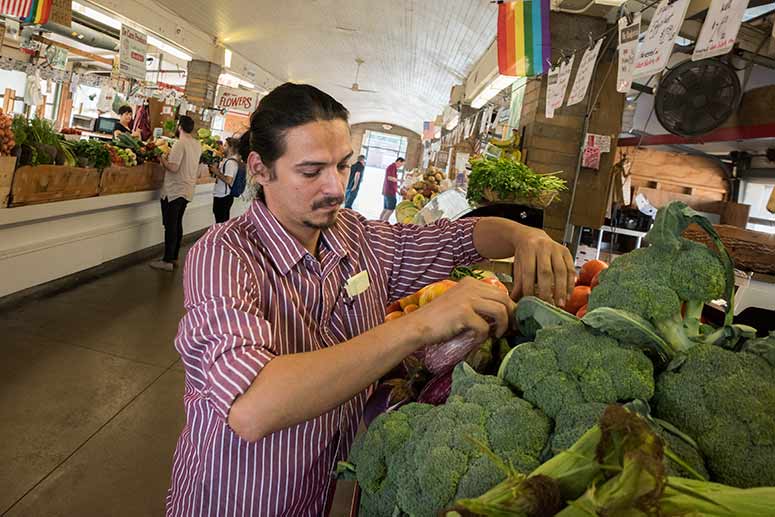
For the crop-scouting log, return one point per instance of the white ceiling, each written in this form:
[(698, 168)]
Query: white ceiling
[(414, 50)]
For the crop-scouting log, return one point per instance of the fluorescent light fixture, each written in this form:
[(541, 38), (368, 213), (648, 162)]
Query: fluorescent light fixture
[(235, 82), (491, 90), (97, 16), (611, 3), (226, 58), (115, 23), (169, 49)]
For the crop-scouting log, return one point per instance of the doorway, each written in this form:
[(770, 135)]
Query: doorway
[(380, 150)]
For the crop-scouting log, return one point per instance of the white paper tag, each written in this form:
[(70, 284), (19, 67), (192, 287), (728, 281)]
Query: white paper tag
[(551, 84), (719, 31), (658, 42), (628, 48), (357, 284), (562, 82), (584, 74)]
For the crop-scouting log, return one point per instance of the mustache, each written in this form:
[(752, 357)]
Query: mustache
[(328, 201)]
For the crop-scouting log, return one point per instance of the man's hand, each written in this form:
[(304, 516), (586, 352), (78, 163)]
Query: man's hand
[(470, 306), (542, 267)]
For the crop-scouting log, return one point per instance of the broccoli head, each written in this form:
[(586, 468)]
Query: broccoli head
[(726, 401), (669, 282), (439, 457), (572, 364)]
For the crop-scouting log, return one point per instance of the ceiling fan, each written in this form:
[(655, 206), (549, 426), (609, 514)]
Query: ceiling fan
[(355, 87)]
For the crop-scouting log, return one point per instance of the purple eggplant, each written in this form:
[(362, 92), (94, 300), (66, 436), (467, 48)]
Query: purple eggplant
[(444, 356), (437, 390)]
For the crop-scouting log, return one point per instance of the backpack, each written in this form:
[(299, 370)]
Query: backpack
[(240, 180)]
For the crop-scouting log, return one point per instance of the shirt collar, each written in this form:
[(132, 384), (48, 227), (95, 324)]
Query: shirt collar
[(283, 248)]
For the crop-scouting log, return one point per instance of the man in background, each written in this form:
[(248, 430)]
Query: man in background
[(356, 175), (390, 188), (181, 169)]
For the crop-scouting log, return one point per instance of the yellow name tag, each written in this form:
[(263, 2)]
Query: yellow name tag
[(357, 284)]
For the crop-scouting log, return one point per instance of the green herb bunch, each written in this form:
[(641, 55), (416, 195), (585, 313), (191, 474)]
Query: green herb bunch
[(509, 179)]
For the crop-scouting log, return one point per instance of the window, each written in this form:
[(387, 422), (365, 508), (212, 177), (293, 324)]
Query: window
[(756, 193)]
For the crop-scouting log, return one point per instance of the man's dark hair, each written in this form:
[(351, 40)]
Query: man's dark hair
[(233, 144), (124, 109), (287, 106), (186, 124), (361, 157), (400, 160)]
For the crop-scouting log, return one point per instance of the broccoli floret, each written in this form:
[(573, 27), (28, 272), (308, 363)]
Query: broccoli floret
[(726, 402), (441, 456), (573, 422), (572, 364)]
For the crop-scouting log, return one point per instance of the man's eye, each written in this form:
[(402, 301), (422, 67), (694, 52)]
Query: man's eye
[(310, 173), (343, 166)]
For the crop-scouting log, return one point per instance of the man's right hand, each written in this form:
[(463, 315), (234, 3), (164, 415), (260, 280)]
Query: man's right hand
[(470, 306)]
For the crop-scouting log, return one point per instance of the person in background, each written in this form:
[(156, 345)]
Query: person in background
[(181, 169), (124, 121), (390, 188), (224, 174), (354, 183)]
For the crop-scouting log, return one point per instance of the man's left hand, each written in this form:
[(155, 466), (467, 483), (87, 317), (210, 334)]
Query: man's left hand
[(542, 267)]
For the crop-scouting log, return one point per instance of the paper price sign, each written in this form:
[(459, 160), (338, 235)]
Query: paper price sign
[(719, 32), (628, 48), (658, 42)]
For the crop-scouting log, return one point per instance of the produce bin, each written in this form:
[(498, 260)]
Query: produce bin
[(47, 183), (119, 180), (7, 167)]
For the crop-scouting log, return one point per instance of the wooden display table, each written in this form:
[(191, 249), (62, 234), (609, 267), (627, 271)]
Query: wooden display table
[(47, 183), (120, 180), (7, 167)]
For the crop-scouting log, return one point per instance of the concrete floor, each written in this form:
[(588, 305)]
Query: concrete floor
[(90, 399)]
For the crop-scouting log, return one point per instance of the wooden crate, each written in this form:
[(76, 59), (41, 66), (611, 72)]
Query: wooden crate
[(47, 183), (7, 168), (119, 180)]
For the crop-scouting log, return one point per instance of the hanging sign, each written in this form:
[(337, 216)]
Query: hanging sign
[(719, 32), (551, 85), (584, 74), (628, 48), (62, 12), (236, 100), (133, 47), (603, 142), (563, 78), (658, 42)]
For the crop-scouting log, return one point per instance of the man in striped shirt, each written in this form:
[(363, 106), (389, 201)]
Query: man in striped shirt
[(284, 328)]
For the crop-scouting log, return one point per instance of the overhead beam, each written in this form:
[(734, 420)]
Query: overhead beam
[(73, 50)]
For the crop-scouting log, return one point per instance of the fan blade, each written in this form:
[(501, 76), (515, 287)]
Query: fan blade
[(366, 91), (348, 86)]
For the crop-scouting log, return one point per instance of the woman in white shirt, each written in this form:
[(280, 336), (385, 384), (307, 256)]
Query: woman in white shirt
[(225, 173)]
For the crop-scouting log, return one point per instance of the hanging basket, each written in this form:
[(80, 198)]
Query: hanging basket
[(541, 201)]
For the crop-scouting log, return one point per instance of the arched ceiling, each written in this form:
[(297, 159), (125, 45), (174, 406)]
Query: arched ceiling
[(414, 50)]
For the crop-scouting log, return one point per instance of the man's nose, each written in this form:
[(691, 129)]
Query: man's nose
[(333, 182)]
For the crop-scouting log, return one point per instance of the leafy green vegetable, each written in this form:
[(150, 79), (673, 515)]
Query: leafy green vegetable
[(509, 179), (533, 314), (92, 153)]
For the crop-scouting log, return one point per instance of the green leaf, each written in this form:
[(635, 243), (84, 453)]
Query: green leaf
[(632, 330), (533, 314)]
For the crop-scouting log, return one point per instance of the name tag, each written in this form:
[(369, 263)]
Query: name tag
[(357, 284)]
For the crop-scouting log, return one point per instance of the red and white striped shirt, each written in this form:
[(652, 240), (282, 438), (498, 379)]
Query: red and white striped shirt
[(252, 292)]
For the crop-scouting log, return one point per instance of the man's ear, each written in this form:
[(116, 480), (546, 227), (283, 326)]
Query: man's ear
[(259, 172)]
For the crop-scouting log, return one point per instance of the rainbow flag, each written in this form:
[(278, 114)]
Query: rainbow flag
[(524, 42)]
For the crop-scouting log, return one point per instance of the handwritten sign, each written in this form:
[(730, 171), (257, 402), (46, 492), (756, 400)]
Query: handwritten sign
[(133, 47), (551, 85), (584, 74), (658, 42), (720, 29), (562, 82), (234, 99), (628, 48)]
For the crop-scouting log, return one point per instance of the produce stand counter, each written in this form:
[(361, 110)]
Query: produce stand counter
[(30, 185)]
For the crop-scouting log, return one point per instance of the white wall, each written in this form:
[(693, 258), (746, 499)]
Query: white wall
[(40, 243)]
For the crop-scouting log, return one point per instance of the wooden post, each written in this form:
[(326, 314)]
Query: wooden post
[(40, 109), (9, 97), (65, 107)]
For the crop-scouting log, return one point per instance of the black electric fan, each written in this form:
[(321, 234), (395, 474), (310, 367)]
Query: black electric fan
[(696, 97)]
